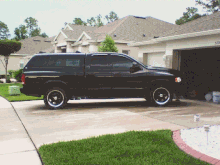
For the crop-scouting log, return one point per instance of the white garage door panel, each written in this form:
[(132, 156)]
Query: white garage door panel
[(155, 59)]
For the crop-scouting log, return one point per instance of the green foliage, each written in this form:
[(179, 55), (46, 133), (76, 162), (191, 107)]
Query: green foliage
[(17, 74), (44, 35), (9, 46), (11, 73), (35, 32), (111, 17), (91, 21), (211, 6), (79, 21), (4, 92), (129, 148), (189, 15), (108, 45), (20, 33), (4, 31), (31, 25), (97, 21)]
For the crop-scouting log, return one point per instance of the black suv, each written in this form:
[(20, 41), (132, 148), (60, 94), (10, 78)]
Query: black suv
[(63, 76)]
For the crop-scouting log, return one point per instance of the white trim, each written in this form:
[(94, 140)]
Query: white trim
[(59, 34), (61, 44), (175, 37), (68, 27), (71, 40), (83, 33)]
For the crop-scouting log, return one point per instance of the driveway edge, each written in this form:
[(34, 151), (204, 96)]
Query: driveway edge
[(25, 130), (190, 151)]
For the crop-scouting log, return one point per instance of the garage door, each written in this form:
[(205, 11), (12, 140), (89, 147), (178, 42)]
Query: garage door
[(155, 59), (201, 68)]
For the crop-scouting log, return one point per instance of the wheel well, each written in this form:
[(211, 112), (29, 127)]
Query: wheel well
[(54, 84)]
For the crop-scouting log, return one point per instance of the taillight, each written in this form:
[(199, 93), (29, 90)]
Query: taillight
[(23, 79), (178, 79)]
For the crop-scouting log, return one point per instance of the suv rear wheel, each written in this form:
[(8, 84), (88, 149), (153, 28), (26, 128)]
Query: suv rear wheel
[(55, 98)]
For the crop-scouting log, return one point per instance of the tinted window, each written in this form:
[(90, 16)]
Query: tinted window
[(99, 63), (64, 61), (121, 63), (38, 61), (56, 61)]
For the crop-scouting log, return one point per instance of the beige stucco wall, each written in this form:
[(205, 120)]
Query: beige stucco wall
[(61, 39), (133, 51), (13, 62), (69, 48), (169, 47)]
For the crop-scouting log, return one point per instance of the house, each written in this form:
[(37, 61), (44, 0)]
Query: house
[(193, 48), (30, 46), (124, 31)]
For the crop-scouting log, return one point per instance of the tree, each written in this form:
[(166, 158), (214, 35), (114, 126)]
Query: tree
[(6, 48), (4, 31), (209, 5), (32, 26), (189, 15), (44, 35), (79, 21), (99, 21), (20, 33), (35, 32), (111, 17), (95, 21), (108, 45), (91, 21)]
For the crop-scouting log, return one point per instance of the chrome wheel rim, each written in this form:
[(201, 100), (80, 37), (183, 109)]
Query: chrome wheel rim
[(55, 98), (161, 96)]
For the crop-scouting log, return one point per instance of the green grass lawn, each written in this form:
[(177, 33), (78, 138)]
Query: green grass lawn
[(129, 148), (4, 91)]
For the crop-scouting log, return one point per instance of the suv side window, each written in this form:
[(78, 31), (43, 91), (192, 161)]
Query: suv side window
[(65, 61), (120, 64), (99, 63), (38, 61)]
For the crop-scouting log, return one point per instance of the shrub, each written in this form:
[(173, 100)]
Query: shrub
[(11, 73), (17, 74)]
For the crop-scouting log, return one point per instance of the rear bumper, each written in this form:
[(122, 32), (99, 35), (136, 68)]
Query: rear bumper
[(29, 92)]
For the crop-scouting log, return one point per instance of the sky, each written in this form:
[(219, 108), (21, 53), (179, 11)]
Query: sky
[(52, 14)]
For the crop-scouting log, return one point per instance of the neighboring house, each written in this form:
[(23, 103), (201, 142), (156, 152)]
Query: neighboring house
[(30, 46), (193, 48), (124, 31)]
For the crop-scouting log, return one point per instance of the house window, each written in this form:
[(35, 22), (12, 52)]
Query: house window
[(126, 51)]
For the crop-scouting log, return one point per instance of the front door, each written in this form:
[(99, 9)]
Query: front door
[(98, 75), (124, 82)]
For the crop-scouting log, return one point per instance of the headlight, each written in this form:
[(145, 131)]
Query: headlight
[(178, 79)]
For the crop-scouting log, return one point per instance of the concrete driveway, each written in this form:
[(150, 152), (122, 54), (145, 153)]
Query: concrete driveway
[(86, 118)]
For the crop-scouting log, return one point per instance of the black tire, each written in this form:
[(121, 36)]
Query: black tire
[(161, 95), (55, 98)]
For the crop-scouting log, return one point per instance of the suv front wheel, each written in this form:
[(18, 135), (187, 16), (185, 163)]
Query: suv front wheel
[(55, 98), (160, 96)]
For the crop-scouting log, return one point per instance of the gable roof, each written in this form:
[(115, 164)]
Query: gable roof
[(140, 28), (81, 27), (205, 23), (33, 45), (131, 28)]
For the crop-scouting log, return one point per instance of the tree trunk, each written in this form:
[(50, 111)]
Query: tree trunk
[(6, 65)]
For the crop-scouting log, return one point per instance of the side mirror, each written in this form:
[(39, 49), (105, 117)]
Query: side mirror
[(135, 67)]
